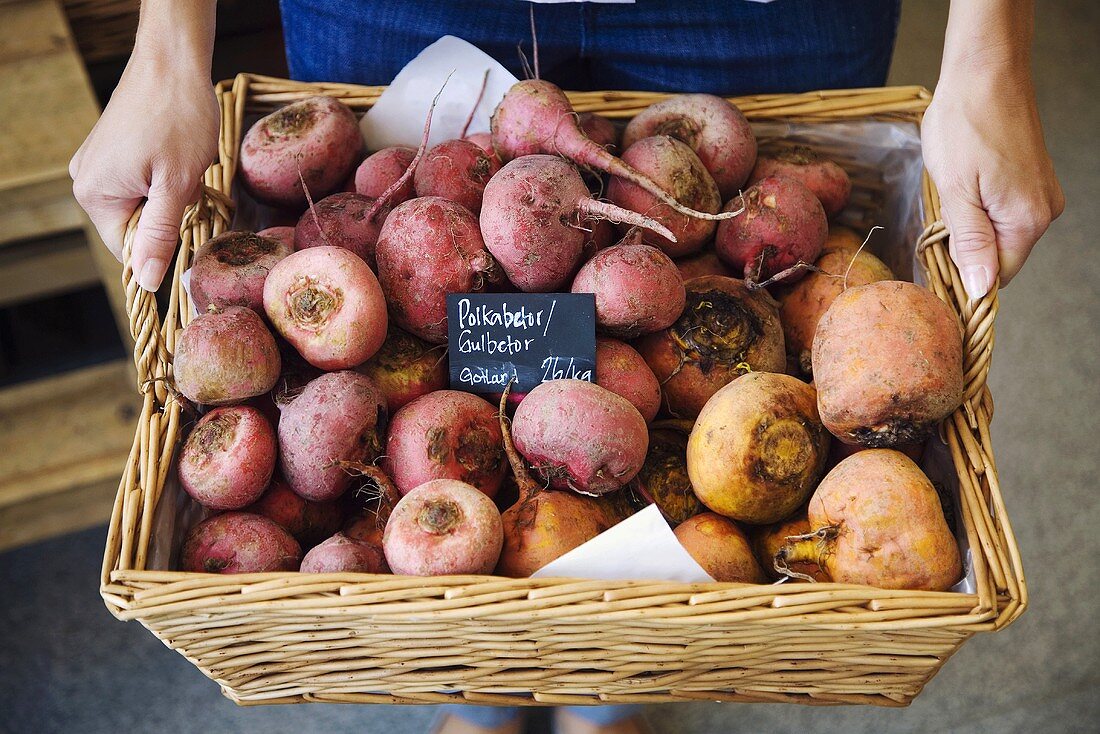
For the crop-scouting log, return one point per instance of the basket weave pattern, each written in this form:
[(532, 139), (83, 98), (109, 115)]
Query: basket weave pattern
[(289, 637)]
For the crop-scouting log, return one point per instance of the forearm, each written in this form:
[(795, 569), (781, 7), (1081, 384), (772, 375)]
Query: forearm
[(990, 39), (176, 35)]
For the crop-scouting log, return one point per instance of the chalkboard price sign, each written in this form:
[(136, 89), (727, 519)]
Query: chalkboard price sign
[(527, 337)]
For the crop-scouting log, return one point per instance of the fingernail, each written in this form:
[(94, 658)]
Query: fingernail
[(976, 280), (152, 273)]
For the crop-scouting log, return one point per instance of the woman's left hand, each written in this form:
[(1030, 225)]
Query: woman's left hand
[(983, 146)]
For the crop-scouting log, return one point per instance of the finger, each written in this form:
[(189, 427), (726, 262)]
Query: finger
[(973, 245), (158, 230), (109, 217)]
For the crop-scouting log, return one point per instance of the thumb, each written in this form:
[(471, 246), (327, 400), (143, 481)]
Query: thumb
[(158, 230), (973, 246)]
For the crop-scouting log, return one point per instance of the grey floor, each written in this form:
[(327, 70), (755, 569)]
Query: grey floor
[(66, 665)]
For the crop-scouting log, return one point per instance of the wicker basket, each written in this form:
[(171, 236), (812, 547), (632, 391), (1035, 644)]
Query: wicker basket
[(289, 637)]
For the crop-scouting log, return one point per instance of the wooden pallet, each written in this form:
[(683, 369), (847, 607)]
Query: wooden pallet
[(63, 444), (50, 107)]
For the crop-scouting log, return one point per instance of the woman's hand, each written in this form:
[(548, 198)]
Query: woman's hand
[(983, 144), (157, 135)]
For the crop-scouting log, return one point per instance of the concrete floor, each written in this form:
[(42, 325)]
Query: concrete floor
[(65, 665)]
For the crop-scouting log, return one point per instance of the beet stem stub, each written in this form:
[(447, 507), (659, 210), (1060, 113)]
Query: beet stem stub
[(439, 516)]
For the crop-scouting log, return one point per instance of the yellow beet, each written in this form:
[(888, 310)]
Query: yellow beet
[(758, 448), (879, 522), (720, 547)]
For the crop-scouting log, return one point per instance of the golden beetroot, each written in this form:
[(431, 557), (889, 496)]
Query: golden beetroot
[(768, 539), (887, 362), (720, 547), (758, 448), (877, 520), (725, 331), (664, 478), (802, 304), (406, 367)]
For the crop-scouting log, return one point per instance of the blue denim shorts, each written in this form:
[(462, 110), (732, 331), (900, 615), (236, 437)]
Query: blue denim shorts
[(729, 47)]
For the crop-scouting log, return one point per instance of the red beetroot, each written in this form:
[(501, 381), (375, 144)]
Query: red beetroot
[(535, 117), (309, 522), (725, 331), (456, 170), (533, 220), (230, 270), (239, 542), (328, 304), (706, 263), (316, 140), (341, 554), (712, 127), (339, 419), (284, 235), (783, 224), (599, 130), (620, 369), (406, 368), (445, 435), (677, 169), (544, 524), (638, 289), (443, 527), (578, 435), (225, 357), (227, 460), (383, 169), (483, 141), (828, 181), (341, 220), (430, 247)]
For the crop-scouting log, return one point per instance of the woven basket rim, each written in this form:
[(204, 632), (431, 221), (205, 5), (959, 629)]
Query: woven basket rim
[(133, 593)]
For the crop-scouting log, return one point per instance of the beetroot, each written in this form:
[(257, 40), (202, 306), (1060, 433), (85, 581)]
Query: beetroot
[(888, 364), (620, 369), (430, 247), (225, 357), (316, 140), (328, 304), (445, 435), (664, 477), (456, 170), (535, 117), (230, 270), (283, 234), (483, 141), (532, 218), (544, 524), (443, 527), (309, 522), (677, 169), (238, 542), (227, 460), (406, 368), (638, 289), (706, 263), (341, 554), (712, 127), (580, 436), (341, 220), (339, 419), (726, 330), (383, 169), (783, 224), (721, 548), (599, 130), (828, 181)]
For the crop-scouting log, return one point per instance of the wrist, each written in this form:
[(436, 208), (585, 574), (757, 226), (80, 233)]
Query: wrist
[(988, 43)]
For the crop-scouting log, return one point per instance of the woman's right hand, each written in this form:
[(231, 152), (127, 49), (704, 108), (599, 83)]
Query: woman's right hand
[(154, 140)]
